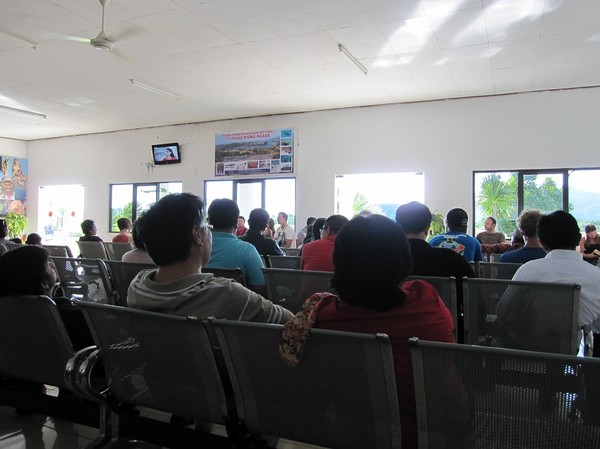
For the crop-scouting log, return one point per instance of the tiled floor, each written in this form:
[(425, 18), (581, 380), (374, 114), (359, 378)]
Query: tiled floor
[(34, 431)]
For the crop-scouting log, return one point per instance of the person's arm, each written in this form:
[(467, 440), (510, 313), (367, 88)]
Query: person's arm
[(250, 306), (582, 246)]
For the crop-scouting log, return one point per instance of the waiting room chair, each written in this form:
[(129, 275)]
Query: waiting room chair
[(231, 273), (289, 262), (92, 250), (446, 288), (497, 270), (81, 279), (117, 276), (481, 397), (11, 245), (58, 250), (341, 395), (156, 360), (115, 251), (292, 252), (290, 288), (35, 347), (536, 316)]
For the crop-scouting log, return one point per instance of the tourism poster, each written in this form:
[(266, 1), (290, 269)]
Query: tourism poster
[(13, 185), (254, 152)]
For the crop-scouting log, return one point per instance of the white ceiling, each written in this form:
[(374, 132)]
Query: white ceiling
[(243, 58)]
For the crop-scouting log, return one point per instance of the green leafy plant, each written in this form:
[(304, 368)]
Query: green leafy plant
[(437, 224), (16, 224)]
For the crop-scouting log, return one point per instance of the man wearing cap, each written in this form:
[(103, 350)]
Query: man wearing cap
[(457, 239)]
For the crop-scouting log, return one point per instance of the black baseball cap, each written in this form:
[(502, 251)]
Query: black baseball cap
[(457, 217)]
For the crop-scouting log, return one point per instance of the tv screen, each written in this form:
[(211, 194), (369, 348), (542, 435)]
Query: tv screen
[(166, 153)]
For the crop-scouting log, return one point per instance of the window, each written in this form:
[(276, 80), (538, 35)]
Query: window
[(130, 200), (273, 194), (504, 194), (380, 193)]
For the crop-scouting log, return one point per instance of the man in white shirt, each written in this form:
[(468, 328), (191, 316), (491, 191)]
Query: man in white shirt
[(559, 234), (284, 234)]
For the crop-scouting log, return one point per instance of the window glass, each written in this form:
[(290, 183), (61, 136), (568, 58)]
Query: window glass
[(584, 196), (280, 196), (121, 204), (496, 196)]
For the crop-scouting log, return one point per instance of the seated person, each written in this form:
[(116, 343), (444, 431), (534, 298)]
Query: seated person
[(265, 246), (241, 227), (306, 231), (88, 227), (527, 225), (27, 270), (589, 245), (372, 297), (139, 253), (124, 235), (33, 239), (178, 285), (318, 255), (490, 235), (230, 252)]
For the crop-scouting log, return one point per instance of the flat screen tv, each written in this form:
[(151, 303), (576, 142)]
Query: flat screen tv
[(166, 153)]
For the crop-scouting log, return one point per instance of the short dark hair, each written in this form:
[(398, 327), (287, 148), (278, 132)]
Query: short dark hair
[(258, 218), (223, 213), (491, 218), (414, 217), (123, 223), (33, 239), (284, 215), (135, 235), (3, 228), (335, 223), (589, 228), (457, 219), (558, 230), (23, 270), (310, 220), (242, 217), (371, 258), (166, 227), (527, 222), (86, 226)]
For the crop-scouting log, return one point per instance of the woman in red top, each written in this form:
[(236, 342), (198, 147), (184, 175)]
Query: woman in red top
[(371, 260), (124, 235)]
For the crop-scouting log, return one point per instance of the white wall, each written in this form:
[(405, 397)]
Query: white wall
[(446, 140), (15, 148)]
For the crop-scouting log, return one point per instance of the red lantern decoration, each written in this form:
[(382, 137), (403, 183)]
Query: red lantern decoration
[(72, 213), (50, 213)]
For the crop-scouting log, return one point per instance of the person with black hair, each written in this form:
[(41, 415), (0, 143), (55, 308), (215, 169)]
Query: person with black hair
[(318, 255), (559, 235), (589, 245), (178, 285), (284, 234), (33, 239), (306, 231), (27, 270), (265, 246), (230, 252), (139, 253), (88, 227), (415, 219), (371, 261)]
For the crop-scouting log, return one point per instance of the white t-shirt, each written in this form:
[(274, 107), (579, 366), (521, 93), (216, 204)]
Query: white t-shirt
[(288, 232)]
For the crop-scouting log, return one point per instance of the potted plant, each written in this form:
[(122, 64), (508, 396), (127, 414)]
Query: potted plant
[(16, 224)]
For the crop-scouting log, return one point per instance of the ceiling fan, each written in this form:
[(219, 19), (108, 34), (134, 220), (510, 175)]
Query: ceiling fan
[(103, 41)]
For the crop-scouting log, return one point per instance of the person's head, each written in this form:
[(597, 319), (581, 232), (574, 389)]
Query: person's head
[(517, 237), (223, 213), (26, 271), (8, 186), (310, 221), (3, 229), (489, 224), (16, 240), (558, 230), (317, 226), (33, 239), (271, 223), (457, 220), (170, 153), (174, 229), (333, 225), (137, 239), (258, 219), (527, 222), (590, 231), (282, 218), (414, 217), (124, 223), (241, 221), (88, 227), (371, 258)]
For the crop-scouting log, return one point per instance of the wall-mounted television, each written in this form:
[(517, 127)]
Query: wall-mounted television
[(166, 153)]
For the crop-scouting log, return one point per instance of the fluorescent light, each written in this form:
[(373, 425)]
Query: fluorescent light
[(23, 111), (156, 90), (352, 59), (17, 40)]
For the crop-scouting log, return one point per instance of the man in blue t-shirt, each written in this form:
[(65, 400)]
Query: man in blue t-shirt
[(457, 239)]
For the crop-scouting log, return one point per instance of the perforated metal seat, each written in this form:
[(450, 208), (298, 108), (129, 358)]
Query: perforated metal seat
[(290, 288), (115, 251), (288, 262)]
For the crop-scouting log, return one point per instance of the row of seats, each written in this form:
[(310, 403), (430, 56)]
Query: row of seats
[(229, 372)]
